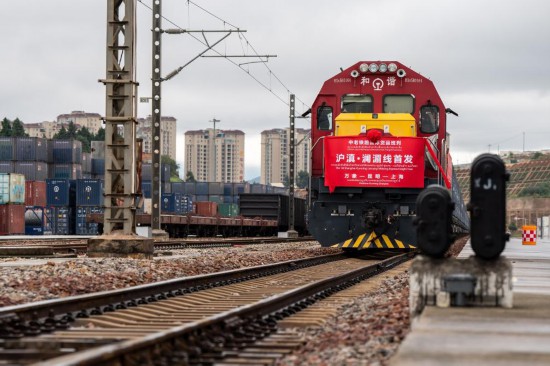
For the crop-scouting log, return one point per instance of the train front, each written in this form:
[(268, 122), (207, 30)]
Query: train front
[(378, 138)]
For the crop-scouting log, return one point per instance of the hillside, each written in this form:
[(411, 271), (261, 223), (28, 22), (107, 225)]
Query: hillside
[(529, 172)]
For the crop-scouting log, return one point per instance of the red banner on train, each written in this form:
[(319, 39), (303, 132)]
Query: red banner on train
[(354, 161)]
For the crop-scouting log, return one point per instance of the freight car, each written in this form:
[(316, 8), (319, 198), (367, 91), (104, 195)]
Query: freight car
[(379, 136), (273, 206)]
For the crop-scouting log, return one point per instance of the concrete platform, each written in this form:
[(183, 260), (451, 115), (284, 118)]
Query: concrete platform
[(490, 336)]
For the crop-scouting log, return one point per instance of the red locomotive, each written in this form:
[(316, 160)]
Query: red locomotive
[(379, 136)]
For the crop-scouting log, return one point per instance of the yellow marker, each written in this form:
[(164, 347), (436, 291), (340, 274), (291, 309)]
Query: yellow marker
[(359, 240), (388, 241)]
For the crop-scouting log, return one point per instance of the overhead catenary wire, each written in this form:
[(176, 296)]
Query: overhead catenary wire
[(240, 66)]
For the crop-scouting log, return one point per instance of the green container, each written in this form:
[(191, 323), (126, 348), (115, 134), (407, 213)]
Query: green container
[(228, 209)]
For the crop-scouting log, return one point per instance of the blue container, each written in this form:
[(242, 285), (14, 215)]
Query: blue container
[(32, 170), (146, 187), (215, 188), (147, 172), (31, 149), (228, 189), (60, 192), (37, 220), (190, 188), (201, 198), (63, 220), (7, 148), (239, 188), (98, 166), (82, 227), (66, 151), (170, 203), (228, 199), (65, 171), (89, 192), (178, 187), (201, 188), (7, 167)]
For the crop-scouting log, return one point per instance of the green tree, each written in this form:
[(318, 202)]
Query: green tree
[(189, 177), (17, 128), (174, 167), (100, 135), (540, 190), (62, 134), (6, 128)]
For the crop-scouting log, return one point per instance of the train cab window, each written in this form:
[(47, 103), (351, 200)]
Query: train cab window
[(398, 104), (357, 103), (324, 118), (429, 119)]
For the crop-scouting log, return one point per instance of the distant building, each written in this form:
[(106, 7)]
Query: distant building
[(215, 158), (168, 133), (275, 154), (92, 121)]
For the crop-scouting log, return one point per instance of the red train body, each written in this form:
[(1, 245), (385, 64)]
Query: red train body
[(379, 137)]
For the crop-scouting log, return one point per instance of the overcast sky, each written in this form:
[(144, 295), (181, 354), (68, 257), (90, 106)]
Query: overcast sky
[(489, 60)]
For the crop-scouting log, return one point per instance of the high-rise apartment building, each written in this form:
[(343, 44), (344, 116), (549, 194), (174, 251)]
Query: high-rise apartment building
[(215, 157), (168, 133), (275, 154)]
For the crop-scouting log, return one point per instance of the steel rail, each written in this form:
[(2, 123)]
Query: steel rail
[(157, 348)]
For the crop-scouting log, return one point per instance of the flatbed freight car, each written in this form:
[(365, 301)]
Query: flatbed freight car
[(179, 226)]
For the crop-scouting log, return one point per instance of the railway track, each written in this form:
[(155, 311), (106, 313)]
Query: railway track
[(213, 319), (57, 247)]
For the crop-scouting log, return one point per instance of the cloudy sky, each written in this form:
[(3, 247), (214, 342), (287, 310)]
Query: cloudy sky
[(489, 59)]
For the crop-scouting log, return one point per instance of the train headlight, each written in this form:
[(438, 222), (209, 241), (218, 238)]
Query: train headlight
[(364, 68), (392, 67), (373, 67), (383, 68)]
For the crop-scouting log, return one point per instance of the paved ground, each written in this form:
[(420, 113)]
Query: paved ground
[(490, 336)]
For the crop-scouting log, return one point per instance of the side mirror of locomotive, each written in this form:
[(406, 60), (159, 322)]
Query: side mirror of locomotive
[(488, 206), (434, 210)]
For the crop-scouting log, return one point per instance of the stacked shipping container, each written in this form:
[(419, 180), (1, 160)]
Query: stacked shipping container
[(12, 203)]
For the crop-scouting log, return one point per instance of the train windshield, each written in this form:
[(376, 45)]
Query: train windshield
[(353, 103), (398, 104), (429, 119), (324, 118)]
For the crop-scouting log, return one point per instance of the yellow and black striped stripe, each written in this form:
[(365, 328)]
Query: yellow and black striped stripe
[(373, 241)]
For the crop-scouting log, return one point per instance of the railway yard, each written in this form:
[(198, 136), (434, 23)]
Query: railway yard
[(363, 324)]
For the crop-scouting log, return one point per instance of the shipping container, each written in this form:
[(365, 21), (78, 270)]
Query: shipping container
[(147, 172), (228, 189), (201, 188), (61, 192), (82, 226), (215, 188), (206, 208), (12, 219), (31, 149), (98, 166), (215, 198), (86, 162), (201, 197), (63, 220), (37, 221), (65, 171), (228, 209), (32, 170), (228, 199), (190, 188), (12, 188), (146, 187), (7, 167), (98, 150), (7, 148), (89, 192), (258, 188), (177, 187), (35, 193), (65, 151)]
